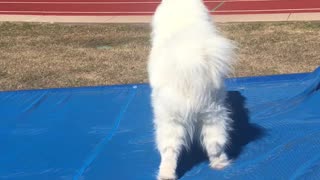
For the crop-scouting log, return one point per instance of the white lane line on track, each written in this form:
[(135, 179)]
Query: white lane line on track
[(270, 10), (72, 12), (124, 2)]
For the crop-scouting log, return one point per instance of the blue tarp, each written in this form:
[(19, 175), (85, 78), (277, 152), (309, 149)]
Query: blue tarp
[(94, 133)]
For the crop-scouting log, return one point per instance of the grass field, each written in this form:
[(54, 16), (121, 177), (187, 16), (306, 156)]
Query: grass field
[(36, 55)]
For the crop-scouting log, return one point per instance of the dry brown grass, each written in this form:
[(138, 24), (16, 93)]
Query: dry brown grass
[(275, 48), (57, 55)]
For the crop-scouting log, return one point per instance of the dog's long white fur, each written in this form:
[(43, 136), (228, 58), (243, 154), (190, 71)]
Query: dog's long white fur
[(187, 64)]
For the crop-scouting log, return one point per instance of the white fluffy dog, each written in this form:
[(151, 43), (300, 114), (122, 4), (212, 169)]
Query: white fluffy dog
[(187, 65)]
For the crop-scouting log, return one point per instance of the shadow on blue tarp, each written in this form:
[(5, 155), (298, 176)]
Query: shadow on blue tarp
[(243, 133)]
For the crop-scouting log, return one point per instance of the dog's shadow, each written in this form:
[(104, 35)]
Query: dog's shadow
[(243, 133)]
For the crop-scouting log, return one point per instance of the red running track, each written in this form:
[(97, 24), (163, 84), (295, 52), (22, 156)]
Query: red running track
[(147, 7)]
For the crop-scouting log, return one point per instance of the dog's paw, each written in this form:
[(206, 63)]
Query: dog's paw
[(167, 177), (166, 173), (219, 162)]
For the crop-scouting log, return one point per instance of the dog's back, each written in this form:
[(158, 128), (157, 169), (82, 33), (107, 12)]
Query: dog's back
[(188, 56)]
